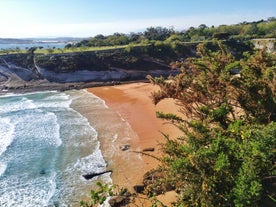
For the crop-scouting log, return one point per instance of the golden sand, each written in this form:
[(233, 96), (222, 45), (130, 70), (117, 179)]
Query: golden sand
[(133, 103)]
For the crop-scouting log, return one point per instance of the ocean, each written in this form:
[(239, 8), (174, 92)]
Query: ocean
[(46, 145), (24, 46)]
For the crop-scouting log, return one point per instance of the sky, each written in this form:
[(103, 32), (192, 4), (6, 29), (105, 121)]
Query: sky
[(87, 18)]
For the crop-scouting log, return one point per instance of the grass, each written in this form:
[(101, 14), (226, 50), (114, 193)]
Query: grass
[(47, 51), (78, 49), (68, 50)]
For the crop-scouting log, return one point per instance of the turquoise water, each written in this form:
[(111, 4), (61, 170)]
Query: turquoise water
[(45, 148)]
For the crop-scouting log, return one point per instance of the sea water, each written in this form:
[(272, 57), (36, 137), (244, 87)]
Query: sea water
[(24, 46), (45, 148)]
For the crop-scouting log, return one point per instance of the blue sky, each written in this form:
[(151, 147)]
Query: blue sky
[(85, 18)]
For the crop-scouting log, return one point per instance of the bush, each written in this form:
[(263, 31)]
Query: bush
[(229, 131)]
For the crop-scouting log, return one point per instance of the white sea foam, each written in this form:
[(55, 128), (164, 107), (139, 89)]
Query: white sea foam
[(6, 134), (26, 94), (49, 99), (79, 133), (3, 168), (18, 191), (97, 99), (54, 137), (35, 170), (60, 96), (40, 126), (18, 104), (93, 163), (59, 100)]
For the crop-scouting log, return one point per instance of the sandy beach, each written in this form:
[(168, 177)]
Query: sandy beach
[(133, 103)]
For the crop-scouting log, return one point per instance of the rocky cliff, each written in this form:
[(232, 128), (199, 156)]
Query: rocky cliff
[(23, 70)]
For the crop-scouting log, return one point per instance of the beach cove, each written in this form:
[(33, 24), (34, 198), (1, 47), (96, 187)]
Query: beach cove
[(86, 131)]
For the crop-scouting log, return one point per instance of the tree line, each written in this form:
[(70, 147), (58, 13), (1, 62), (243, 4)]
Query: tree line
[(241, 31)]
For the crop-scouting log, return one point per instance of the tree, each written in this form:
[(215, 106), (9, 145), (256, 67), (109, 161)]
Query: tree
[(257, 87), (117, 39), (99, 37), (31, 50), (271, 19), (202, 26), (158, 33), (135, 37), (221, 36), (229, 130), (68, 46)]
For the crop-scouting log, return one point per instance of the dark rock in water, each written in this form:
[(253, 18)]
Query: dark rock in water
[(42, 172), (92, 175), (125, 147), (56, 203), (150, 149), (139, 188)]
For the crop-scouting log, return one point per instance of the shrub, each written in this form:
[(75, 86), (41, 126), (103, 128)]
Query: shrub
[(229, 134)]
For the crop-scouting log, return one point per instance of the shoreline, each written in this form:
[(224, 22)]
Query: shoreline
[(133, 104), (44, 85)]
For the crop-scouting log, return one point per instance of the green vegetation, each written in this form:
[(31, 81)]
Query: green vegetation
[(227, 153), (62, 51), (78, 49), (99, 196), (241, 32), (229, 132)]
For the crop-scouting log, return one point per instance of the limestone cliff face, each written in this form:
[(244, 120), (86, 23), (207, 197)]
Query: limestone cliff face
[(113, 74)]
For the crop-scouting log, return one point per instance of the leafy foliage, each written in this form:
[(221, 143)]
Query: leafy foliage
[(98, 196), (228, 124)]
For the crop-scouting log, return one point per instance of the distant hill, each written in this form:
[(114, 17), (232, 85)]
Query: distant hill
[(15, 41)]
